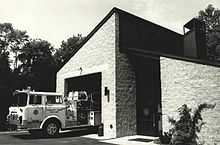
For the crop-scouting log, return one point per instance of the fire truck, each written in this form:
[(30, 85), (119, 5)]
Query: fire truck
[(51, 112)]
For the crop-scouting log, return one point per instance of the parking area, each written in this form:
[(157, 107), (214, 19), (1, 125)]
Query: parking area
[(65, 138), (78, 137)]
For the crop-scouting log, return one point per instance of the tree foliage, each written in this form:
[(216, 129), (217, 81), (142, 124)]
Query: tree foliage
[(4, 70), (28, 62), (211, 17), (37, 66), (11, 40), (67, 48)]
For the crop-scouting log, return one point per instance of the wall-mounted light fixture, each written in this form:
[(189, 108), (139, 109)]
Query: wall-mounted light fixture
[(80, 70), (107, 92)]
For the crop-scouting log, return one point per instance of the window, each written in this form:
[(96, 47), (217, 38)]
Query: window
[(22, 99), (54, 100), (35, 99)]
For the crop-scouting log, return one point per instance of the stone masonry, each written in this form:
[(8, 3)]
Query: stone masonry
[(125, 91), (190, 83), (97, 55), (101, 54)]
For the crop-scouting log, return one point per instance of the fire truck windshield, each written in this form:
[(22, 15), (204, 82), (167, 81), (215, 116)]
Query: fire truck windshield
[(21, 99)]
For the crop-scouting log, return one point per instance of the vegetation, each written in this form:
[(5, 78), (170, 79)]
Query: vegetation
[(28, 62), (37, 65), (11, 40), (67, 48), (211, 17), (186, 128)]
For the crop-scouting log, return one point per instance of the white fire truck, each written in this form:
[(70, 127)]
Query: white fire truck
[(51, 112)]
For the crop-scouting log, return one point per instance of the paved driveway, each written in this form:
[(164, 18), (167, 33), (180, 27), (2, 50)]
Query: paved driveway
[(67, 138), (77, 137)]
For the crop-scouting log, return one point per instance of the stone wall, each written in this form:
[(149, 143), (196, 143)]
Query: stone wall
[(125, 91), (190, 83), (97, 55)]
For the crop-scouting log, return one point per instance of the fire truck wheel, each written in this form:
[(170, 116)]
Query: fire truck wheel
[(51, 128)]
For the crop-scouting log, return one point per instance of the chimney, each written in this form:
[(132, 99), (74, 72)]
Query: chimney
[(194, 39)]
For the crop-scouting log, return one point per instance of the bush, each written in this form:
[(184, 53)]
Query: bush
[(165, 138), (186, 128)]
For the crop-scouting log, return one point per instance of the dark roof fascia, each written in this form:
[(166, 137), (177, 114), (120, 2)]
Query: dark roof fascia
[(88, 36), (138, 51), (155, 55), (190, 24), (146, 21)]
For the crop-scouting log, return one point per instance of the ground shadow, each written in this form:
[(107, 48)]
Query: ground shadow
[(72, 133), (141, 139)]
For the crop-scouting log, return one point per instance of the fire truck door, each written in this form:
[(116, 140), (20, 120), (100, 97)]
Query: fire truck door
[(36, 108), (54, 106), (36, 113)]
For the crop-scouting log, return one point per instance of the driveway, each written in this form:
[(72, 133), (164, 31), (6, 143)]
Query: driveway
[(76, 137), (67, 138)]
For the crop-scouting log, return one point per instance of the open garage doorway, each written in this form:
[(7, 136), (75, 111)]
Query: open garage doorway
[(91, 84)]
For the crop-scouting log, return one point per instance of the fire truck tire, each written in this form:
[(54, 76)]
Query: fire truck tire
[(51, 128)]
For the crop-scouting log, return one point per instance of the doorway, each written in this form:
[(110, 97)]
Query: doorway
[(148, 96), (90, 86)]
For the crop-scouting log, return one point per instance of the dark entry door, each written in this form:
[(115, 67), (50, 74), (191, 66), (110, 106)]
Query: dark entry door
[(146, 119), (148, 96)]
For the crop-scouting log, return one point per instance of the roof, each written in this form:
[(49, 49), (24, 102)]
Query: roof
[(139, 34), (101, 24), (88, 36), (156, 55), (176, 53), (193, 23)]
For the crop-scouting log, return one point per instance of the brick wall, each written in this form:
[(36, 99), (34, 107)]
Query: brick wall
[(190, 83), (97, 55), (125, 91)]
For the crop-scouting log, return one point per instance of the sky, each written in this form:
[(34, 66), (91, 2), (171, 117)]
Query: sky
[(57, 20)]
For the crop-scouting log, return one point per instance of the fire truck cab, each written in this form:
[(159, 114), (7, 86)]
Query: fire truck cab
[(51, 112)]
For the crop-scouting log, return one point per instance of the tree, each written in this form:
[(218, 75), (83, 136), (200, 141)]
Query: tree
[(67, 48), (37, 67), (11, 40), (5, 83), (211, 17), (4, 69)]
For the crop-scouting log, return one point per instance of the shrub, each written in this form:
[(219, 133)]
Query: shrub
[(165, 138), (185, 130)]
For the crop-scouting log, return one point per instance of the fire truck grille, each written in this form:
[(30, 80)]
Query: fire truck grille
[(13, 117)]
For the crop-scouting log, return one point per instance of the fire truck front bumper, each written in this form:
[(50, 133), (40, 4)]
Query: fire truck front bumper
[(15, 122), (24, 124), (34, 124)]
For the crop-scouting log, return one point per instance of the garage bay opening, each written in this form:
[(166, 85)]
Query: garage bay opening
[(85, 94)]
